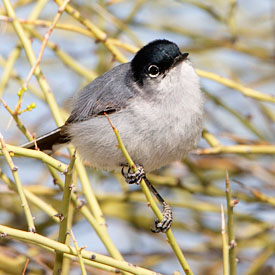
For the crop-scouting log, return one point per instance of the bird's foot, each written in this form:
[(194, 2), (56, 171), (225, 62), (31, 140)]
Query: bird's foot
[(133, 177), (136, 177), (165, 223)]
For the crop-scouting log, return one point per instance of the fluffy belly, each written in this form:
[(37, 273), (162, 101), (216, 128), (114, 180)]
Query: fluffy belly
[(149, 143)]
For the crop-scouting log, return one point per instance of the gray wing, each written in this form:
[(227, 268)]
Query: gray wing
[(108, 93)]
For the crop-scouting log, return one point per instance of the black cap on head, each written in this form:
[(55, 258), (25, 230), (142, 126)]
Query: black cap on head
[(161, 53)]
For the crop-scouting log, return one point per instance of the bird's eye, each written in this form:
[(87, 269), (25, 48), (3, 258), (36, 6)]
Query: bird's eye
[(153, 71)]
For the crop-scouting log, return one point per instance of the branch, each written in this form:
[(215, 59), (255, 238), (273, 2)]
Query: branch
[(238, 149), (237, 86), (45, 242), (19, 187), (66, 199), (230, 228)]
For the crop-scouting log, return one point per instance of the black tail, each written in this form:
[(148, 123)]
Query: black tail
[(47, 141)]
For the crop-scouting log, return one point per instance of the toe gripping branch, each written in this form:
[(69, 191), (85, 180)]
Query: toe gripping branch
[(136, 177)]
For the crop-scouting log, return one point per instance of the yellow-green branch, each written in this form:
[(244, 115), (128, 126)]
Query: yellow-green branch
[(230, 228), (239, 149), (63, 226), (42, 241), (236, 86), (19, 187)]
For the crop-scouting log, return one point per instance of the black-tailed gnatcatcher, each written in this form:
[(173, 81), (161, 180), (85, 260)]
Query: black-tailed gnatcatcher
[(156, 104)]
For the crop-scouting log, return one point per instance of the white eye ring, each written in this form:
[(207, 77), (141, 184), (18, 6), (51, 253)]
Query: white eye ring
[(153, 70)]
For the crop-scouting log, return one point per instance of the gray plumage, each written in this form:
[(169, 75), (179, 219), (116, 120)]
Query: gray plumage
[(104, 94)]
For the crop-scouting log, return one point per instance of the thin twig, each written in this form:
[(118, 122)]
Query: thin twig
[(257, 194), (26, 43), (19, 187), (210, 138), (64, 215), (230, 227), (25, 266), (19, 123), (261, 259), (225, 247), (237, 86), (80, 259), (236, 114), (39, 58), (98, 33), (9, 68), (32, 198), (66, 266), (238, 149), (19, 151)]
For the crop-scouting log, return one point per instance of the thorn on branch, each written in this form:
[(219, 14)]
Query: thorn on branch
[(82, 248), (234, 202), (3, 235), (232, 244), (60, 216), (32, 230), (82, 202), (71, 187)]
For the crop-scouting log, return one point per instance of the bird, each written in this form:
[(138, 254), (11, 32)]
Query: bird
[(154, 101)]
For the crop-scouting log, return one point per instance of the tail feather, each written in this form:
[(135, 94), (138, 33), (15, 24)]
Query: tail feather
[(47, 141)]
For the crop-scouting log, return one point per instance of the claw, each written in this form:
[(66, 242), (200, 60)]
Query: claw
[(133, 177), (165, 223)]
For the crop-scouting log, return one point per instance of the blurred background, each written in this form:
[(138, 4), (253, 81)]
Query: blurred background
[(234, 39)]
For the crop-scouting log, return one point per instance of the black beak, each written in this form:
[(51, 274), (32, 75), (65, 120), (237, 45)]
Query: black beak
[(180, 58), (184, 55)]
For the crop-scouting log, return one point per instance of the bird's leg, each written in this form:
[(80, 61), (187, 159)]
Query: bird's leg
[(165, 223), (136, 177)]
